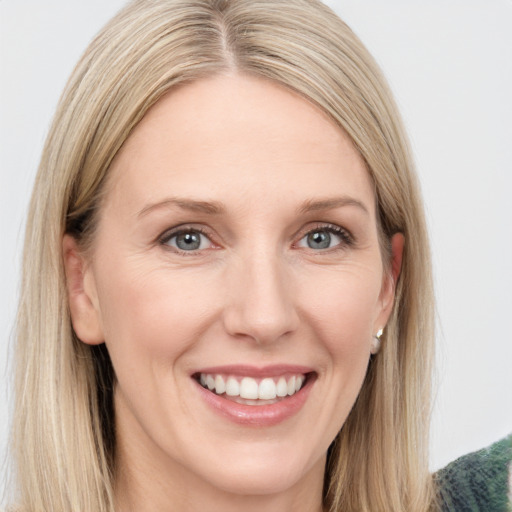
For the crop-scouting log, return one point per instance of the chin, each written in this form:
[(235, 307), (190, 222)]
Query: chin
[(267, 469), (257, 479)]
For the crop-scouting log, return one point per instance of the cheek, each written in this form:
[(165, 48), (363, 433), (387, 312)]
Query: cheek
[(343, 304), (340, 306), (153, 315)]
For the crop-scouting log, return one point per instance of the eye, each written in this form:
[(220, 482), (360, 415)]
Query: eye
[(187, 240), (323, 238)]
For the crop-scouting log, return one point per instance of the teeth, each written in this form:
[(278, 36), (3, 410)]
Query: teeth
[(250, 389), (282, 387), (220, 385), (210, 382), (232, 387), (291, 386), (267, 389)]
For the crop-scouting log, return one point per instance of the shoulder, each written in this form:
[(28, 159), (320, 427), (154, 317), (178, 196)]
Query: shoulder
[(479, 481)]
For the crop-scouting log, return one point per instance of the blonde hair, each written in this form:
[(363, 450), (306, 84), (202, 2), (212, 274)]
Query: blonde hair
[(63, 434)]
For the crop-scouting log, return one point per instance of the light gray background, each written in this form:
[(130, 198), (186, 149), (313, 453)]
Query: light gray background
[(449, 63)]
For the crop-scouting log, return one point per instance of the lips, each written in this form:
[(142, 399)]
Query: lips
[(278, 392)]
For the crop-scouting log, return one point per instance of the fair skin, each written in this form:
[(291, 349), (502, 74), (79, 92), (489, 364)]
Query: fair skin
[(237, 238)]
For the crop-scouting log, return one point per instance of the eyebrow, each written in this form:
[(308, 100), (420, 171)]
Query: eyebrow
[(209, 207), (216, 208), (331, 203)]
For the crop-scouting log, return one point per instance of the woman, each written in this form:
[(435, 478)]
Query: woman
[(252, 138)]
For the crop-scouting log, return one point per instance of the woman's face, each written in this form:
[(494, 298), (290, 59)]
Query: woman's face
[(237, 247)]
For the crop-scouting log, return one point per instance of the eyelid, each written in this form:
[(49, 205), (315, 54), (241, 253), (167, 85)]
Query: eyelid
[(347, 239), (345, 235), (170, 233)]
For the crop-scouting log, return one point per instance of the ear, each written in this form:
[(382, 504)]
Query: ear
[(387, 296), (82, 295)]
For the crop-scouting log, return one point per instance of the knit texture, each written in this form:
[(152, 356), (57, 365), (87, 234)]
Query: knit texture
[(479, 481)]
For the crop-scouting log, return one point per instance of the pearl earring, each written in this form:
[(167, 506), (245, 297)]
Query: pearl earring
[(376, 342)]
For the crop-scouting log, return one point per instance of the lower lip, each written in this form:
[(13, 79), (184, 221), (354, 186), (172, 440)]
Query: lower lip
[(258, 415)]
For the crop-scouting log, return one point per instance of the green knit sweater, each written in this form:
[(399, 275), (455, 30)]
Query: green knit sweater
[(478, 482)]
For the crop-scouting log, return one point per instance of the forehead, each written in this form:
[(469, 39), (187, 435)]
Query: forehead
[(235, 136)]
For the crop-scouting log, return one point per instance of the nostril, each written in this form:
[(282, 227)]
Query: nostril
[(263, 328)]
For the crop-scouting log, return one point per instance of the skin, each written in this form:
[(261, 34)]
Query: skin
[(255, 292)]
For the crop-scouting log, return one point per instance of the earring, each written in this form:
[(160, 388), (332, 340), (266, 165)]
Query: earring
[(376, 342)]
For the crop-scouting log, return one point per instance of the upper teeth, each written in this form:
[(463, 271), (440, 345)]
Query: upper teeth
[(249, 388)]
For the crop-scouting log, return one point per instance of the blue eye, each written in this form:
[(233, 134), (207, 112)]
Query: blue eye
[(324, 238), (190, 240), (319, 240)]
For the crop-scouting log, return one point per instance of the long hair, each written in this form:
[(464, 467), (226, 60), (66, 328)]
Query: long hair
[(63, 437)]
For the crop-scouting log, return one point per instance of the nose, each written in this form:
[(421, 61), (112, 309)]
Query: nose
[(260, 303)]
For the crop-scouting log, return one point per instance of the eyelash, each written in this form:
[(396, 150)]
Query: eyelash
[(347, 240), (345, 236), (166, 237)]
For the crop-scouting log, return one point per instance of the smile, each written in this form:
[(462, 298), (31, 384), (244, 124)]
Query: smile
[(254, 391), (278, 392)]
